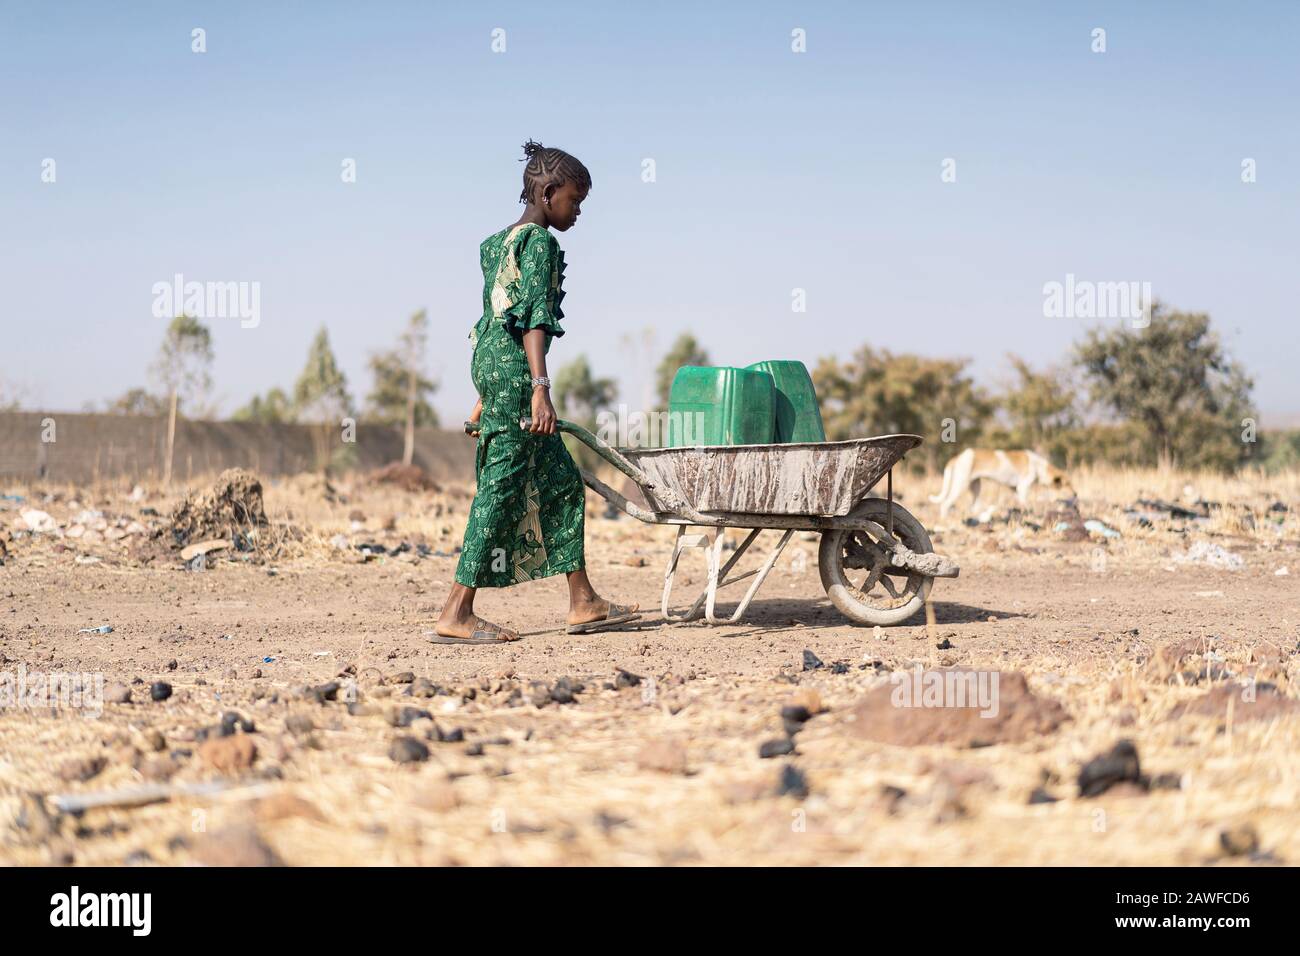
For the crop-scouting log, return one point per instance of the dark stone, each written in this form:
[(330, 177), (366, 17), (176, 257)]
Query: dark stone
[(232, 721), (811, 661), (796, 714), (1102, 772), (409, 715), (624, 678), (792, 782), (408, 750), (567, 685), (1040, 795), (422, 687), (778, 747), (160, 690)]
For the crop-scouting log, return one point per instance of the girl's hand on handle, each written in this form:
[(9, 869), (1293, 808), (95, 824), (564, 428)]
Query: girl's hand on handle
[(471, 423), (544, 418)]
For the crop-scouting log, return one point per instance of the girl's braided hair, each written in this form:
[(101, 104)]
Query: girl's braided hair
[(547, 166)]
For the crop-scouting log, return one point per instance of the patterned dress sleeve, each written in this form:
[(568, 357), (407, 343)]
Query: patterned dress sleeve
[(535, 297)]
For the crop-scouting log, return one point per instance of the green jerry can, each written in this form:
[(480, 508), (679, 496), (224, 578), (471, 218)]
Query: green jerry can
[(798, 418), (720, 406)]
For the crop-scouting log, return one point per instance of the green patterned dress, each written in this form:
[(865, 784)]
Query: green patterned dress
[(527, 517)]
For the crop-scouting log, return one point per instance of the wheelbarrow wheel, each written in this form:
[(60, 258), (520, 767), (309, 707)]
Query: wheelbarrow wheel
[(856, 572)]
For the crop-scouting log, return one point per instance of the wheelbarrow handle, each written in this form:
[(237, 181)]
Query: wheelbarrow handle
[(615, 458), (605, 451)]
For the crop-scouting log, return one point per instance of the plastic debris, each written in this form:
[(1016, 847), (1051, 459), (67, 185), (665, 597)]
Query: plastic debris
[(39, 521), (1216, 556), (1101, 528), (102, 629)]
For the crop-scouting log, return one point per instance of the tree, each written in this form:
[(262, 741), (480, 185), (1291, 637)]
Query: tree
[(1174, 380), (270, 409), (10, 398), (138, 401), (320, 396), (400, 392), (684, 351), (878, 393), (1039, 407), (182, 369), (579, 396)]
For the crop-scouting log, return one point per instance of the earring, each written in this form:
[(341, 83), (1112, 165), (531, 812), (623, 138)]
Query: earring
[(547, 200)]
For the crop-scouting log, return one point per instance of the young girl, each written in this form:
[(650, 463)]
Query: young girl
[(527, 517)]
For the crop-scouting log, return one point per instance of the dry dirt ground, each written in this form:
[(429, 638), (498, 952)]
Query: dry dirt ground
[(1118, 639)]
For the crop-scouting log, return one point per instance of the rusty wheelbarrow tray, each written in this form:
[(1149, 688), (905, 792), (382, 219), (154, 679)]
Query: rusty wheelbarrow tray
[(809, 486), (804, 478)]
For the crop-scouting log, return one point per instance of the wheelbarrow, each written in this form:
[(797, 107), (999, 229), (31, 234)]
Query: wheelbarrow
[(875, 559)]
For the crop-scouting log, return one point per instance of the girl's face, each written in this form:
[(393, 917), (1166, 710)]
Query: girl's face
[(565, 207)]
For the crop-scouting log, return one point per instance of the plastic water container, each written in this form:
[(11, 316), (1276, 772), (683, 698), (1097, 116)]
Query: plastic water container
[(721, 406), (798, 417)]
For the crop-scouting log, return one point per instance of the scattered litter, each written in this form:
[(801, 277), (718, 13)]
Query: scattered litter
[(1101, 528), (268, 660), (86, 559), (39, 521), (1216, 556), (102, 629), (1172, 510), (1282, 572), (1209, 594)]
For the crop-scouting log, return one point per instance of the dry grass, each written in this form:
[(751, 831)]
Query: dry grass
[(568, 786)]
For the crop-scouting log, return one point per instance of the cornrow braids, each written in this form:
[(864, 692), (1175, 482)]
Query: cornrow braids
[(548, 166)]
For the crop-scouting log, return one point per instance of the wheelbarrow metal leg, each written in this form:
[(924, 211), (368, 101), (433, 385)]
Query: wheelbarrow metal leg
[(716, 580), (682, 541)]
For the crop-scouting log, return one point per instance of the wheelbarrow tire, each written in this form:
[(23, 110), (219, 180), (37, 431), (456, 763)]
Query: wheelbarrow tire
[(842, 592)]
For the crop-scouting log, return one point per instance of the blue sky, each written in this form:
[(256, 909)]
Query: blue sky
[(775, 171)]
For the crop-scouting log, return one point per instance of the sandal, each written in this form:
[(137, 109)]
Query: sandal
[(483, 633), (617, 614)]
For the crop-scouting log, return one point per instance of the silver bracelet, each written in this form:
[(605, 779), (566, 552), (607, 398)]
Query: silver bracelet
[(541, 381)]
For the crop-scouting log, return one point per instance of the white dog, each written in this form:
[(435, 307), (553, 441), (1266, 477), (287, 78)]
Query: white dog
[(1020, 470)]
